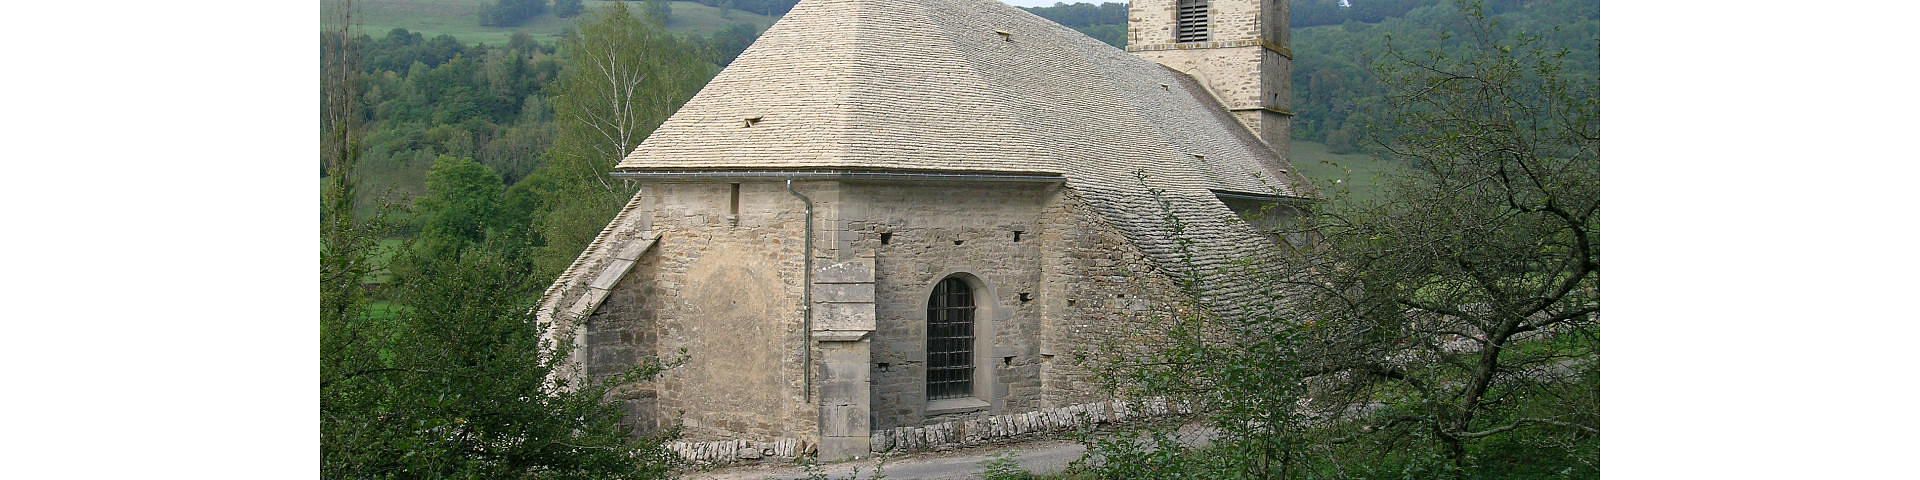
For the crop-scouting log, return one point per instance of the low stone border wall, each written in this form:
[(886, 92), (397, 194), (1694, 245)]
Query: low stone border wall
[(741, 451), (940, 436), (998, 428)]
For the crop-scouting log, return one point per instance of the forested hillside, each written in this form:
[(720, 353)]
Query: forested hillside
[(1333, 45), (487, 98), (1334, 90), (1106, 22), (500, 156), (495, 22), (431, 97), (461, 173)]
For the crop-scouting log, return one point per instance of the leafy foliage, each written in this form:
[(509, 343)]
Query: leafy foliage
[(657, 10), (1004, 467), (567, 8), (1106, 22), (461, 389), (603, 116), (441, 370), (507, 13), (1338, 96), (763, 7), (1449, 329), (729, 42), (462, 203)]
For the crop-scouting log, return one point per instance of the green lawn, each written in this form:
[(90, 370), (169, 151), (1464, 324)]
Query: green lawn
[(382, 258), (1361, 174), (461, 19)]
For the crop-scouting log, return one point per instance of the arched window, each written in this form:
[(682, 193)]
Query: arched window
[(950, 340)]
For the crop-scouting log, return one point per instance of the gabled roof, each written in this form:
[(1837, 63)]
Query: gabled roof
[(980, 86)]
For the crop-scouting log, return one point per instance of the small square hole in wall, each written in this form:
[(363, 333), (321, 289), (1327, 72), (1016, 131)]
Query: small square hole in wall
[(884, 366), (1025, 297), (1008, 361), (886, 238), (958, 242), (1016, 236)]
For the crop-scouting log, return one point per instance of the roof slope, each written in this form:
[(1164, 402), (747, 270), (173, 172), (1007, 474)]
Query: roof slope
[(980, 86)]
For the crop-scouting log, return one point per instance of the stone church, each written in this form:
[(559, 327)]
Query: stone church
[(889, 214)]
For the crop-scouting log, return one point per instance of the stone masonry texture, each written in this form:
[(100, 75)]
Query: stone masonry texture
[(1086, 194)]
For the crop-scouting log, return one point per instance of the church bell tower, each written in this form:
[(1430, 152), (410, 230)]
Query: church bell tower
[(1238, 49)]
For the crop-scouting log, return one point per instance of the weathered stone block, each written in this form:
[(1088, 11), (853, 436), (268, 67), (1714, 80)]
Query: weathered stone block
[(611, 274), (843, 448), (843, 292), (634, 248), (843, 316), (857, 270)]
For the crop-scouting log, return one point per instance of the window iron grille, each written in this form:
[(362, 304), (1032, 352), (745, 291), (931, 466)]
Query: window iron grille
[(950, 340)]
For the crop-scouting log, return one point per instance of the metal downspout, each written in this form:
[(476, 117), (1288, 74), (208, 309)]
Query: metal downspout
[(806, 299)]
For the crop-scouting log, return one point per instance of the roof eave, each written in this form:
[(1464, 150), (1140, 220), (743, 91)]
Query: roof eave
[(709, 175), (1262, 197)]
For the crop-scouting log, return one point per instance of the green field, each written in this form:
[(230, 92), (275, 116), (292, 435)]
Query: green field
[(461, 19), (1361, 174)]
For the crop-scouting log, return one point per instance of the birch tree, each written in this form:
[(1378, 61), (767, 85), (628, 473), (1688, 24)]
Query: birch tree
[(624, 76)]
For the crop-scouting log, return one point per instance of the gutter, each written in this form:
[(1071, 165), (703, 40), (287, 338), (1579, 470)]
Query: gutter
[(806, 299), (1259, 197)]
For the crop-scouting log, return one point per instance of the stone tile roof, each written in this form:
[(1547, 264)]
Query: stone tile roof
[(980, 86), (949, 85)]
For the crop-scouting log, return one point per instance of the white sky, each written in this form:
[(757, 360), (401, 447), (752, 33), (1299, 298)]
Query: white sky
[(1049, 3)]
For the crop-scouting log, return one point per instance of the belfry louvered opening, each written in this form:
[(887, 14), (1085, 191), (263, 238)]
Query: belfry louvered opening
[(950, 340), (1190, 23)]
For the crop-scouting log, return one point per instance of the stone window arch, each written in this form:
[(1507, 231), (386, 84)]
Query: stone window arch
[(959, 340)]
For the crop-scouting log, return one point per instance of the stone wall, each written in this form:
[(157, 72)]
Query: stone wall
[(724, 288), (1013, 427), (721, 452), (1245, 64), (944, 435), (1151, 22), (1070, 288), (620, 335), (932, 231), (1102, 297)]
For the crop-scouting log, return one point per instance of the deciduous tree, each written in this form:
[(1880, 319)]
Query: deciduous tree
[(624, 75), (1448, 329)]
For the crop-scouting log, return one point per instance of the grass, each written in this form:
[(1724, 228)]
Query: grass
[(461, 19), (1362, 175), (382, 259), (384, 311)]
